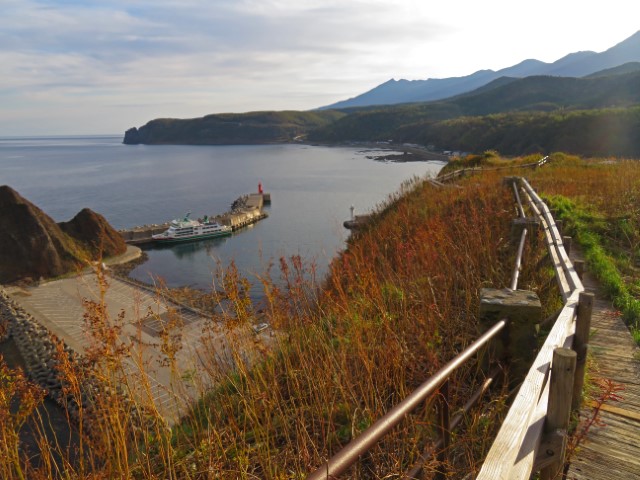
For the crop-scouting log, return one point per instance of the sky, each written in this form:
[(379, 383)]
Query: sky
[(71, 67)]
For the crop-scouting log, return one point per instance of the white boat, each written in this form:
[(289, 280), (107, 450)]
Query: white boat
[(185, 229)]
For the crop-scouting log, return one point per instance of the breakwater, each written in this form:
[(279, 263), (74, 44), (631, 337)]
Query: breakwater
[(42, 351), (54, 365), (245, 210)]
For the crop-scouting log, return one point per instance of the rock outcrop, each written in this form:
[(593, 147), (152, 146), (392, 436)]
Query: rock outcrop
[(33, 245), (94, 232)]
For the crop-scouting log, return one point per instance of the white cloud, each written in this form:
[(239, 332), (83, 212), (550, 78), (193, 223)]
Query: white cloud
[(76, 63)]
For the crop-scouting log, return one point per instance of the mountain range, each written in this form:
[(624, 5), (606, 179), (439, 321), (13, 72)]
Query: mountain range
[(585, 103), (578, 64)]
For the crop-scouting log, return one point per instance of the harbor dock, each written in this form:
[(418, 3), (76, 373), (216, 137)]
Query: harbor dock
[(356, 222), (245, 210)]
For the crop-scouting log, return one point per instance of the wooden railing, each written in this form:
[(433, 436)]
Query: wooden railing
[(533, 388), (448, 177), (533, 434), (340, 462), (537, 420)]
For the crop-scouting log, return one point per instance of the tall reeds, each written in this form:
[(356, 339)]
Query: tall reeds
[(400, 301)]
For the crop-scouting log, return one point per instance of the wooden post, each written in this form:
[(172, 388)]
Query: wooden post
[(566, 241), (532, 224), (579, 266), (563, 367), (559, 226), (581, 344), (523, 309)]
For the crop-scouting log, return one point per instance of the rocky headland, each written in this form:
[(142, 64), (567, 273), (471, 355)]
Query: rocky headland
[(251, 128), (34, 246)]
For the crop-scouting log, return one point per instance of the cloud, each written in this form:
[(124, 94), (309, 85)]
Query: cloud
[(116, 33), (192, 57), (218, 54)]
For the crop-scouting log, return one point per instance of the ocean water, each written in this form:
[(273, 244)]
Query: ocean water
[(312, 189)]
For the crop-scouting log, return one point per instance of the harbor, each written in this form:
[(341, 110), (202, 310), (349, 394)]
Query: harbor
[(356, 222), (245, 210)]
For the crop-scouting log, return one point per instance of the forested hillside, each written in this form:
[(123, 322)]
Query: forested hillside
[(586, 116), (231, 128)]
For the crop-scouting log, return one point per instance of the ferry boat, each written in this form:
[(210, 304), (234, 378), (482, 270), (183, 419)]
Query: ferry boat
[(186, 229)]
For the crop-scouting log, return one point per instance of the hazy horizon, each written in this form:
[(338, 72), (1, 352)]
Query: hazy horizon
[(73, 67)]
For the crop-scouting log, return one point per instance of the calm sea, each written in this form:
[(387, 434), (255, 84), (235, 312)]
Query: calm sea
[(312, 189)]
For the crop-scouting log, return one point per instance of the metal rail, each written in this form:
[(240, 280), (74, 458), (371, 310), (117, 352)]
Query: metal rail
[(514, 454), (346, 457), (516, 270), (417, 467), (349, 454)]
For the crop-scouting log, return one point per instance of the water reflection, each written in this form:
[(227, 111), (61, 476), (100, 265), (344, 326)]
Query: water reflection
[(188, 250)]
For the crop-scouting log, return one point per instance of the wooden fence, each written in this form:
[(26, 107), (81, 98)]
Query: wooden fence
[(463, 172), (533, 434)]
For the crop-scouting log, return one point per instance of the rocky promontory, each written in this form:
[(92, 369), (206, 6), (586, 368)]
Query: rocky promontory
[(33, 245), (231, 128), (94, 233)]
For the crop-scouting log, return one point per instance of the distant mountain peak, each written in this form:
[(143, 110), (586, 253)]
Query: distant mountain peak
[(576, 64)]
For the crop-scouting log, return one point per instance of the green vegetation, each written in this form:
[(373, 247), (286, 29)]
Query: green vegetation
[(599, 203), (489, 160), (585, 132), (592, 117), (231, 128), (595, 116), (398, 303)]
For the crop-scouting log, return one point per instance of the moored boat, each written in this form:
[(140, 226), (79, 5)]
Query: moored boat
[(186, 229)]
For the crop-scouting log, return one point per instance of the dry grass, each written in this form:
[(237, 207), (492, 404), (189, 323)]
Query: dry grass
[(599, 200), (399, 302)]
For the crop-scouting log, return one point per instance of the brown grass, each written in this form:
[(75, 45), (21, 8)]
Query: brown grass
[(400, 301)]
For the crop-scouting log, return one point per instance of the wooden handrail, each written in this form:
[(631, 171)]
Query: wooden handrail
[(513, 453), (514, 450), (463, 171), (346, 457)]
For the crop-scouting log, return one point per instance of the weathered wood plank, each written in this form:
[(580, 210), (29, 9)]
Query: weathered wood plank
[(531, 442), (563, 368), (507, 449), (514, 450), (612, 450), (563, 283), (569, 270)]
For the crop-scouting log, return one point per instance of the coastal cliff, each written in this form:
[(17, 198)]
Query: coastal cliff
[(33, 245), (231, 128)]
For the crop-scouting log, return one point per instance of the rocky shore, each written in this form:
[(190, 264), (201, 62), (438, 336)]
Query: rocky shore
[(48, 362), (42, 351)]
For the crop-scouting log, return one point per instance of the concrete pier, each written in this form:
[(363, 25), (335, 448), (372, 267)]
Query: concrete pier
[(246, 210), (357, 222), (56, 309), (142, 234)]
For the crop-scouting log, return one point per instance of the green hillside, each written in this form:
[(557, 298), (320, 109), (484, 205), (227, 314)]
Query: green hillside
[(231, 128), (587, 132), (425, 123), (586, 116)]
